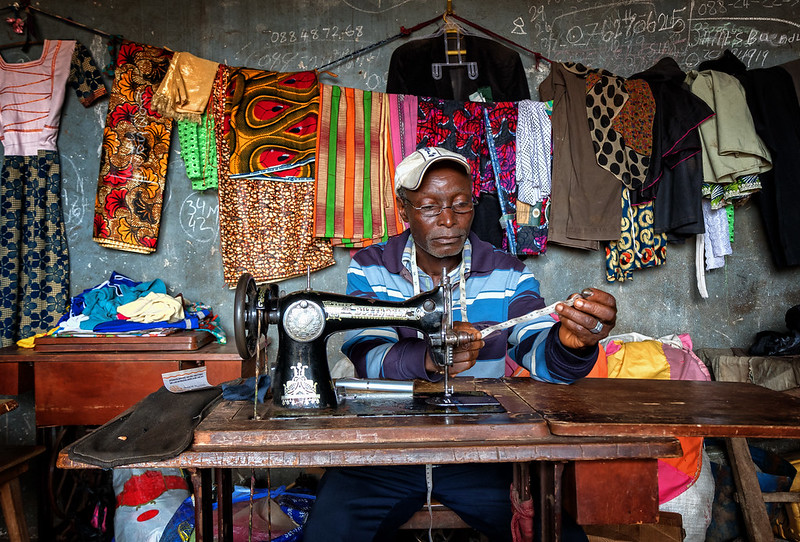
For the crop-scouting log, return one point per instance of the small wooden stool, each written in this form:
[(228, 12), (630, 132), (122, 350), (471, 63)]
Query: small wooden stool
[(443, 518), (13, 463)]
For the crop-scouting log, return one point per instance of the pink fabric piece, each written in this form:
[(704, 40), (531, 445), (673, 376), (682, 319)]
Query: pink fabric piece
[(403, 125), (671, 482), (684, 364), (31, 96), (521, 518), (612, 348)]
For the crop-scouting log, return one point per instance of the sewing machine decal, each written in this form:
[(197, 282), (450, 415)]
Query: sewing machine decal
[(300, 391)]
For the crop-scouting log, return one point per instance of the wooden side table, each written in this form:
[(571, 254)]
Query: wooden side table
[(91, 383)]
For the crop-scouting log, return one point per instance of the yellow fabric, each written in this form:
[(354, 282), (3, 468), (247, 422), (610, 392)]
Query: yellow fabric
[(642, 359), (791, 531), (184, 92), (153, 307), (29, 341)]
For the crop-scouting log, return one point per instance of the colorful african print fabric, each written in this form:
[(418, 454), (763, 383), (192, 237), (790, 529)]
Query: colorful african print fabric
[(461, 127), (722, 195), (532, 227), (639, 246), (265, 126), (34, 255), (133, 163), (355, 203), (34, 260), (273, 123)]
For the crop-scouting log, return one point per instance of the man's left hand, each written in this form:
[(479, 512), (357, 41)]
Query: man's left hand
[(589, 320)]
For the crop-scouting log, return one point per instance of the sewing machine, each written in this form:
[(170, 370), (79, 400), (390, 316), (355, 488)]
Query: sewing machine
[(306, 318)]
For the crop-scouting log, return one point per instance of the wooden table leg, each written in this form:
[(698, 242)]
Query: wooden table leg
[(12, 506), (550, 501), (203, 507), (224, 505), (751, 501)]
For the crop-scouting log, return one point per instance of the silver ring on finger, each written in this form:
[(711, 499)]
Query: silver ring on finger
[(597, 328)]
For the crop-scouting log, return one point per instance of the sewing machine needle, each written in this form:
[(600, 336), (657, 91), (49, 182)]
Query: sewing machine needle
[(526, 317)]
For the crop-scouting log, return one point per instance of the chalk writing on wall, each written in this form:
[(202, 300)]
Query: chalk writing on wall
[(628, 36), (200, 217)]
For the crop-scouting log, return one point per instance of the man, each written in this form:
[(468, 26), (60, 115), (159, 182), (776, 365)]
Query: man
[(434, 196)]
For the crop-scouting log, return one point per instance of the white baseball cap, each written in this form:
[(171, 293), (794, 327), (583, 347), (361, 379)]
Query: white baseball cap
[(412, 168)]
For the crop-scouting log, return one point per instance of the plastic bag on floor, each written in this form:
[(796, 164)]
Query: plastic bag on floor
[(695, 504), (147, 499), (276, 512)]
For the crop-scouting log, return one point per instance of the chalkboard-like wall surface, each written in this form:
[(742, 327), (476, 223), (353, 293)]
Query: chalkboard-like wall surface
[(624, 37)]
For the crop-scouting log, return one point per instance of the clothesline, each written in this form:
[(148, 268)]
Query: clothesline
[(28, 27), (19, 7)]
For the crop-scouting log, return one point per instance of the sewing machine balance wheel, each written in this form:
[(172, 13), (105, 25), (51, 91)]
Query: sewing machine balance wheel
[(251, 307)]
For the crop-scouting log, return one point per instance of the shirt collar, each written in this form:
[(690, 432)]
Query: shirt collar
[(466, 257)]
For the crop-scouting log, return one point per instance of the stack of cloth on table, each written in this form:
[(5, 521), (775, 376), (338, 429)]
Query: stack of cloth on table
[(122, 305)]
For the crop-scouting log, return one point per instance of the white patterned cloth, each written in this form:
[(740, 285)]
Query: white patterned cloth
[(533, 152), (717, 237), (711, 246)]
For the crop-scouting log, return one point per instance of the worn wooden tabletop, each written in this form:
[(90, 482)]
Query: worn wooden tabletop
[(229, 437), (592, 407)]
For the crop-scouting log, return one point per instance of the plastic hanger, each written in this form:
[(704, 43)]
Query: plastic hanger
[(455, 53)]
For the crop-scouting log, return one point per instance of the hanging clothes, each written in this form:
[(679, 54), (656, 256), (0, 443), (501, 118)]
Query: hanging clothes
[(403, 125), (497, 71), (676, 170), (534, 156), (498, 68), (461, 127), (355, 203), (184, 92), (266, 127), (199, 151), (731, 146), (34, 260), (607, 97), (638, 246), (585, 199), (534, 182), (772, 100), (135, 153)]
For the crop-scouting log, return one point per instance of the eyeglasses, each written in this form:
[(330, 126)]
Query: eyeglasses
[(430, 211)]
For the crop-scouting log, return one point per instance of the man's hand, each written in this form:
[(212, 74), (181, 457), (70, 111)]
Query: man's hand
[(464, 355), (589, 320)]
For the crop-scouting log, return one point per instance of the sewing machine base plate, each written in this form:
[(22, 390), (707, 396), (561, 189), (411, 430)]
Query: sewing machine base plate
[(396, 404)]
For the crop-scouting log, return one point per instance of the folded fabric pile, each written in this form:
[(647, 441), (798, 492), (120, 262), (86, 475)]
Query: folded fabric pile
[(122, 305)]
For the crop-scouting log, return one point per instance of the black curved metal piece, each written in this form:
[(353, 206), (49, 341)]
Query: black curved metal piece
[(245, 317)]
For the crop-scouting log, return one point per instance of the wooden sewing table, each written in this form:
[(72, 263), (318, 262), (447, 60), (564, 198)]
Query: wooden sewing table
[(613, 428)]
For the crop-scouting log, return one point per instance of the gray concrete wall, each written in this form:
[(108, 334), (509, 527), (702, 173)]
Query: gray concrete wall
[(746, 296)]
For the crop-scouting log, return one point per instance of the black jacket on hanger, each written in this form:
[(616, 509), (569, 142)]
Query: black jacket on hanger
[(773, 103), (499, 68)]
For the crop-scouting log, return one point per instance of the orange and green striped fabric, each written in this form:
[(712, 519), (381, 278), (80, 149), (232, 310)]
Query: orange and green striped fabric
[(354, 203)]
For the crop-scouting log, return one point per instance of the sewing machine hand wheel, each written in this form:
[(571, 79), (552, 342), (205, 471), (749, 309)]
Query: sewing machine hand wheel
[(251, 308)]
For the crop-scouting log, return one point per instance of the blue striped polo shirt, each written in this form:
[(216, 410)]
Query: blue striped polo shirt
[(498, 287)]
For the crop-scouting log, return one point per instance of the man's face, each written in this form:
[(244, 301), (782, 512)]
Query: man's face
[(441, 236)]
